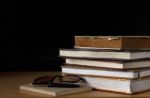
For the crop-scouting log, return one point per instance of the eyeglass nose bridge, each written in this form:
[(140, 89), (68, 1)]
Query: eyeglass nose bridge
[(73, 76), (59, 77)]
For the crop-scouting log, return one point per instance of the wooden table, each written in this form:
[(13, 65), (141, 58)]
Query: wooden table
[(10, 82)]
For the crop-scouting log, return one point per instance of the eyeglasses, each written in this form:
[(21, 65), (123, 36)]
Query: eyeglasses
[(58, 81)]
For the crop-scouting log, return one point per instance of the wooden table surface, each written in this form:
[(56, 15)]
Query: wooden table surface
[(10, 82)]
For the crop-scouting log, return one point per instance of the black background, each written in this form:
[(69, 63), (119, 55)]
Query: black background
[(43, 27)]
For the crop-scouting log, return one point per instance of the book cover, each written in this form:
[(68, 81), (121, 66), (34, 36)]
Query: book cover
[(114, 42), (126, 86), (103, 72), (105, 54), (54, 91), (114, 64)]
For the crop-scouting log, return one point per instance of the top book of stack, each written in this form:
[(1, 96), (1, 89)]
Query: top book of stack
[(113, 42)]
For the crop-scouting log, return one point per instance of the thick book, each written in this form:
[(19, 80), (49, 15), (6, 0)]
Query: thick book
[(104, 54), (114, 42), (54, 91), (114, 64), (119, 85), (101, 72)]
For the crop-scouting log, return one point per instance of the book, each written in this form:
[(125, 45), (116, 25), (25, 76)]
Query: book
[(126, 86), (114, 64), (54, 91), (105, 54), (114, 42), (102, 72)]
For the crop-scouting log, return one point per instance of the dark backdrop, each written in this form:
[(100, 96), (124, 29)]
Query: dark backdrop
[(43, 27)]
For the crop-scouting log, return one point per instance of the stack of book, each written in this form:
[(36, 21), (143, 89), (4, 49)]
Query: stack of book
[(111, 63)]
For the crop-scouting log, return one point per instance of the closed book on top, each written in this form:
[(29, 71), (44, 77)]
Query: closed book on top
[(114, 42)]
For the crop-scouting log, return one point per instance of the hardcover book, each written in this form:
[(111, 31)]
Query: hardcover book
[(104, 54), (102, 72), (127, 86), (54, 91), (114, 42), (114, 64)]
